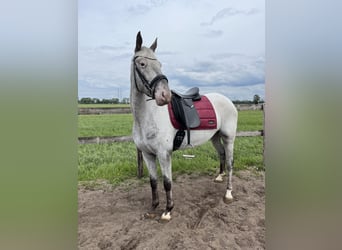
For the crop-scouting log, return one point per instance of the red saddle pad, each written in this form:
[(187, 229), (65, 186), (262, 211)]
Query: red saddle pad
[(205, 111)]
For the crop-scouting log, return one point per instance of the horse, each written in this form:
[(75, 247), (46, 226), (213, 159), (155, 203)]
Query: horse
[(153, 132)]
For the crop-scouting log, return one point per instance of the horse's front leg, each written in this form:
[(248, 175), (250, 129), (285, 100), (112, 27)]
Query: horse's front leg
[(150, 161), (165, 164)]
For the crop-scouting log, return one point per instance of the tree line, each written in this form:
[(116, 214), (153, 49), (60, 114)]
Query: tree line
[(256, 99), (89, 100)]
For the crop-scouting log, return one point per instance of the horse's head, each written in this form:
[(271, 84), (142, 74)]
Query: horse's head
[(147, 74)]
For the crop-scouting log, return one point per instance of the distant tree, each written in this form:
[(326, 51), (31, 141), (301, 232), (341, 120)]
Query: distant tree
[(96, 100), (110, 101), (256, 99), (86, 100), (105, 101), (242, 102), (125, 100), (114, 100)]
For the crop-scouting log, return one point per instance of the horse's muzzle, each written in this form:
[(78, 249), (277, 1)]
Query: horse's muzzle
[(162, 94)]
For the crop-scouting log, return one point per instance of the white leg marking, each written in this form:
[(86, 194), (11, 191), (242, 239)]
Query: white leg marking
[(166, 216), (228, 198), (219, 178), (229, 194)]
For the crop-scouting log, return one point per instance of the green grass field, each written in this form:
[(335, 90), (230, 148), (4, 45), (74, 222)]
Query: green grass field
[(121, 124), (117, 162), (105, 125)]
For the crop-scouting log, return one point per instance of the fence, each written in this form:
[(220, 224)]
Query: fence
[(103, 111), (126, 110), (111, 139)]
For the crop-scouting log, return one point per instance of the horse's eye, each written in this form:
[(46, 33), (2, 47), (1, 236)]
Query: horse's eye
[(142, 64)]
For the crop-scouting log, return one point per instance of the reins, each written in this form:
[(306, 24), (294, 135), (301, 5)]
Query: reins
[(150, 86)]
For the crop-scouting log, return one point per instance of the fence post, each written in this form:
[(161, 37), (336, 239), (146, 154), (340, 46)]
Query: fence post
[(140, 163), (263, 132)]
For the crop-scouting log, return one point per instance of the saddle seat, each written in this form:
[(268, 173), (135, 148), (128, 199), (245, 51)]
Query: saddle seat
[(192, 94)]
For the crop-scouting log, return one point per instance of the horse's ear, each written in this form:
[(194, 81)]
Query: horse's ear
[(154, 45), (138, 42)]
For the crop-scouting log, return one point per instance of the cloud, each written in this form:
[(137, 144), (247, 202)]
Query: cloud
[(139, 9), (167, 53), (228, 12), (235, 91), (213, 55), (225, 55), (94, 91), (142, 8), (232, 70), (102, 69), (103, 50), (213, 33), (110, 48)]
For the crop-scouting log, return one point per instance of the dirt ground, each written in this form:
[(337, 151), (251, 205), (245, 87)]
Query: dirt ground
[(113, 218)]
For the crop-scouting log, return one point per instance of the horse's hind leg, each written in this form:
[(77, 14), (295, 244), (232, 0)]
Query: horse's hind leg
[(216, 140), (150, 161), (228, 143)]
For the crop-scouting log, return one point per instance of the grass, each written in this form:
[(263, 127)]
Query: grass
[(105, 125), (117, 162), (113, 162), (103, 105), (250, 120), (121, 124)]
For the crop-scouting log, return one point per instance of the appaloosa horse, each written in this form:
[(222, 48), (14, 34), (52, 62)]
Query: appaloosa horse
[(153, 132)]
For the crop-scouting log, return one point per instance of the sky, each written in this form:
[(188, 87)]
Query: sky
[(218, 46)]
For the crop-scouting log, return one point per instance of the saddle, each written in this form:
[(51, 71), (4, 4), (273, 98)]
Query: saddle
[(185, 113)]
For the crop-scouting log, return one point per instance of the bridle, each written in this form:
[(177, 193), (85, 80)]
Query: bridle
[(150, 86)]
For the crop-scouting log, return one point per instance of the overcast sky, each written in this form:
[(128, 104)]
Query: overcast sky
[(218, 45)]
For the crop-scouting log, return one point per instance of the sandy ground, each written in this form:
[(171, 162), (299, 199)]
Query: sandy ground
[(113, 218)]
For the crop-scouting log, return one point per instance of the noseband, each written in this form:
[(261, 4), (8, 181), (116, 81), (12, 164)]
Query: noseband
[(150, 86)]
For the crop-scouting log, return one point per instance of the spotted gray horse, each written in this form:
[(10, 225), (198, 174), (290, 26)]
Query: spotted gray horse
[(153, 132)]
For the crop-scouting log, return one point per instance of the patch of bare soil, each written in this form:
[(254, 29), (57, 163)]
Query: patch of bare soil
[(114, 218)]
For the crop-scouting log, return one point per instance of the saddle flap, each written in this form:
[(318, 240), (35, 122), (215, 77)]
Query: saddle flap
[(185, 112), (191, 114)]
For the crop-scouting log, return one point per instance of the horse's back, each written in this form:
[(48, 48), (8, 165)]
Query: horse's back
[(226, 113)]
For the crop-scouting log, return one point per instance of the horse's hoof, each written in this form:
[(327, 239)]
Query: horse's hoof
[(227, 200), (150, 215), (165, 217), (219, 178)]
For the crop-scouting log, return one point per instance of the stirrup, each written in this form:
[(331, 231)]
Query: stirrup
[(191, 154)]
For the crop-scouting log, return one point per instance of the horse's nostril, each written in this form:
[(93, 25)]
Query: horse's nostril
[(165, 95)]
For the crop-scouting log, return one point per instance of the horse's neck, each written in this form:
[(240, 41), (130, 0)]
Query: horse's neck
[(143, 110), (137, 99), (138, 104)]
